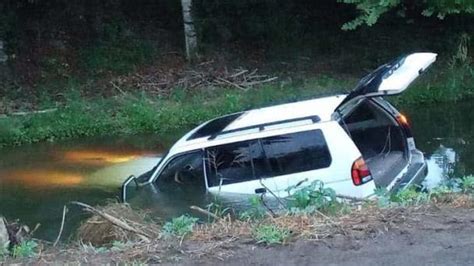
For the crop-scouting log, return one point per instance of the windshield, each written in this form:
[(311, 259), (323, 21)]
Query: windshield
[(182, 172)]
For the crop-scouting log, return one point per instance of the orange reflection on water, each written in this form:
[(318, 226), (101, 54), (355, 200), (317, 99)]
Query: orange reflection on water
[(99, 157), (45, 178)]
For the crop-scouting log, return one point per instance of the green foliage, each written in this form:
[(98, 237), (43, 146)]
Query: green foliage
[(410, 196), (133, 114), (217, 208), (180, 226), (270, 234), (25, 249), (372, 10), (311, 197), (467, 184), (255, 211)]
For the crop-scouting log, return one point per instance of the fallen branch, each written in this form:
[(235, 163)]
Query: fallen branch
[(62, 226), (201, 210), (113, 220), (351, 198)]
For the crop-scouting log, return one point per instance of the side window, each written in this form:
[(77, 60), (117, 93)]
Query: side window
[(297, 152), (235, 162), (184, 172)]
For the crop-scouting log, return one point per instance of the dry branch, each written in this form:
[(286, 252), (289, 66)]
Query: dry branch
[(113, 220), (204, 76)]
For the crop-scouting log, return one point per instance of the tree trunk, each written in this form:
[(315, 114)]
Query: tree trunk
[(189, 30)]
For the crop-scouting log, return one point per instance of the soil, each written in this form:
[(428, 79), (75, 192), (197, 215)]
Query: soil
[(441, 238), (434, 236)]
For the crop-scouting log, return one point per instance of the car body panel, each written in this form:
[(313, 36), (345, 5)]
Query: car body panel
[(389, 79)]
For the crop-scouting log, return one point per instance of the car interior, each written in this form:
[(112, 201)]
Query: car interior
[(379, 138)]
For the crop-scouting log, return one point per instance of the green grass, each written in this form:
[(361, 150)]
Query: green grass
[(134, 114), (26, 249), (270, 234), (180, 226)]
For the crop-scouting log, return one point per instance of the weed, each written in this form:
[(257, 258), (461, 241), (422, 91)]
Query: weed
[(270, 234), (256, 211), (409, 197), (25, 249), (180, 226), (311, 197), (467, 184), (217, 208)]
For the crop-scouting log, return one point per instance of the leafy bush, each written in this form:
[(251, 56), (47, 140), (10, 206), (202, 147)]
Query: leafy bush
[(270, 234), (410, 196), (312, 197), (467, 184), (180, 226), (25, 250)]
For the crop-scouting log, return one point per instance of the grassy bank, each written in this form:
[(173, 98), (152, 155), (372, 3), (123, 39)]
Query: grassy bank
[(132, 113), (117, 233)]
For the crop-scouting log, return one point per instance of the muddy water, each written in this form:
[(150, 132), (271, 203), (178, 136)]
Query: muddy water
[(445, 133), (36, 180)]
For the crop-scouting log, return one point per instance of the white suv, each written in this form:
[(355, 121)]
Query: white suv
[(353, 143)]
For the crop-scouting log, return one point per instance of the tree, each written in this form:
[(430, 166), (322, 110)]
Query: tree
[(189, 30), (372, 10)]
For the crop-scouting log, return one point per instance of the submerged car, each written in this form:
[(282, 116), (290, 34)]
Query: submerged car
[(353, 143)]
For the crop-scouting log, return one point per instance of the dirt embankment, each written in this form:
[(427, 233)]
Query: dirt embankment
[(423, 235), (440, 238)]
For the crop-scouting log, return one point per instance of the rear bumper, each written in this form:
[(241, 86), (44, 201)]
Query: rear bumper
[(415, 174)]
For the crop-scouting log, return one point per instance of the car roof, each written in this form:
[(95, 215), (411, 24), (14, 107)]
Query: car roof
[(322, 108)]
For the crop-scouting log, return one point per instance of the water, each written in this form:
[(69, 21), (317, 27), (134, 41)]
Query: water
[(37, 180), (445, 133)]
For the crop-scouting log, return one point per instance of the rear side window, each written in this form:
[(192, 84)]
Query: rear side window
[(297, 152), (235, 162), (273, 156)]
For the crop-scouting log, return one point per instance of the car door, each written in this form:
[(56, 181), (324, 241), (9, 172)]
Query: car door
[(391, 78), (237, 167), (295, 160)]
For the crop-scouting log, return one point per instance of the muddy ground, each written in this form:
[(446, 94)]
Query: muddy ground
[(426, 236), (432, 238)]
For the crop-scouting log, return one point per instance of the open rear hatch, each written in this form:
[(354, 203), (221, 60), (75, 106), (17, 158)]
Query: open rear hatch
[(376, 131), (391, 78)]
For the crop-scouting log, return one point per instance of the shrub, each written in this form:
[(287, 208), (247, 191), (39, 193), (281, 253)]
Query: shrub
[(314, 196), (25, 250), (467, 184), (270, 234), (180, 226)]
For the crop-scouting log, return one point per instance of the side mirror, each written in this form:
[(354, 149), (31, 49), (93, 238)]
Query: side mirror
[(125, 185)]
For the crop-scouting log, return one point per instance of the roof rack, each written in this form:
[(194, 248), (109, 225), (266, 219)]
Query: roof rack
[(261, 127)]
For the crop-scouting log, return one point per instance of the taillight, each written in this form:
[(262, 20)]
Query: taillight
[(360, 172), (403, 122)]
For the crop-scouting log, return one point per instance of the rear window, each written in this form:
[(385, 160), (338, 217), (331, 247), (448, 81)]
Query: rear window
[(272, 156)]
